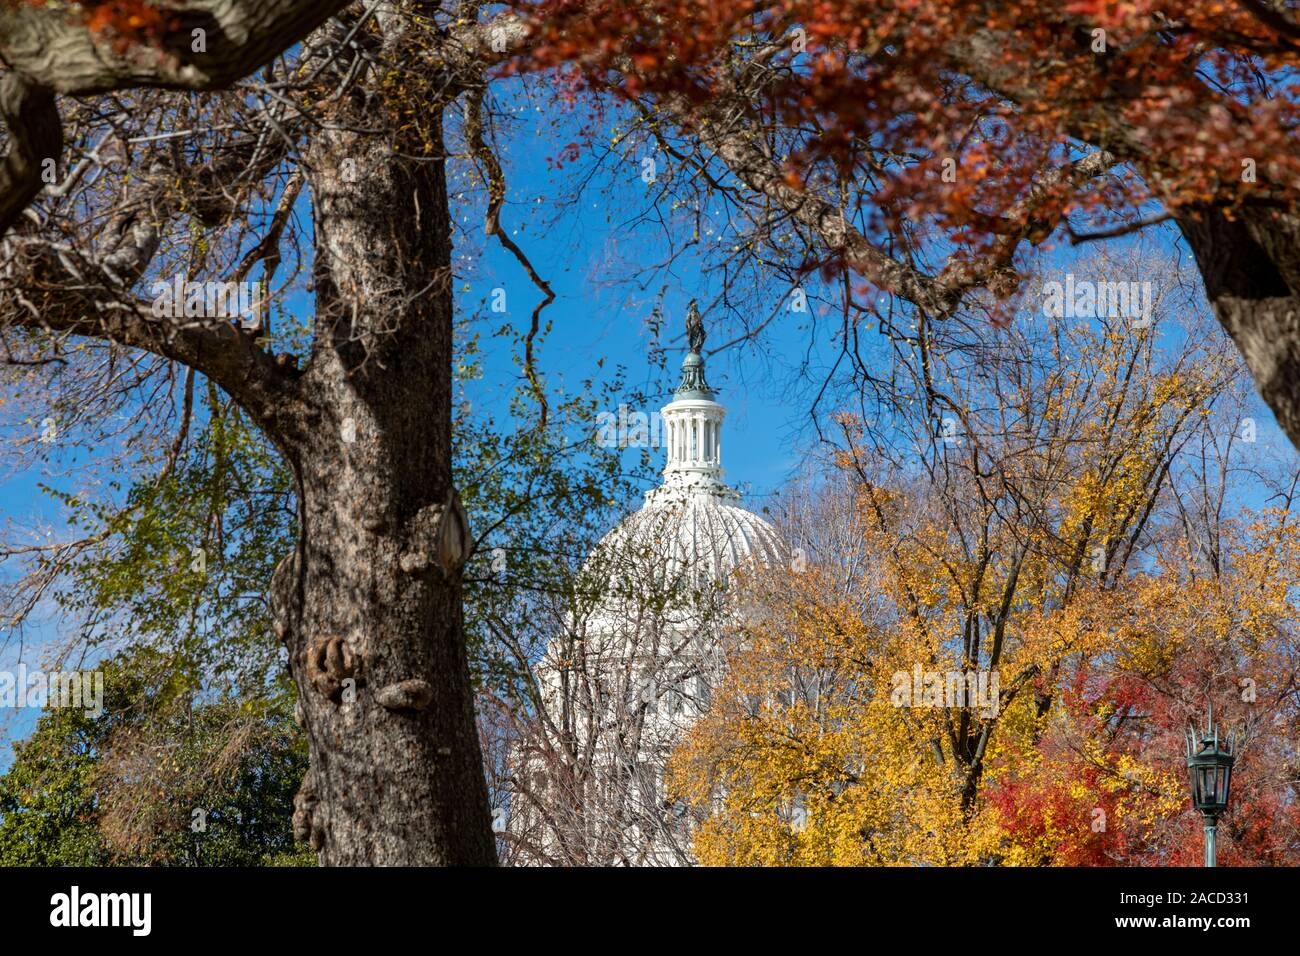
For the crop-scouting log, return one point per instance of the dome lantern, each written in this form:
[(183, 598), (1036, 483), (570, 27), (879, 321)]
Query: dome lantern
[(693, 424)]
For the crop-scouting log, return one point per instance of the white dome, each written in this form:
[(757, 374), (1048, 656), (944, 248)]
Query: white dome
[(694, 534)]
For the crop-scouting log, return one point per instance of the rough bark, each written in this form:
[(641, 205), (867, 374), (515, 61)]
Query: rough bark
[(52, 46), (370, 604), (49, 50), (29, 113), (1251, 268)]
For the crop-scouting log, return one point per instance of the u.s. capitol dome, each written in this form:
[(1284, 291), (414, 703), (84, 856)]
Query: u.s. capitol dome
[(691, 531), (641, 649)]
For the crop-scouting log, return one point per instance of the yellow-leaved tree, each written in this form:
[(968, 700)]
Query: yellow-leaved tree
[(1022, 579)]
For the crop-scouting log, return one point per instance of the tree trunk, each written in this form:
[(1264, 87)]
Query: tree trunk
[(1251, 268), (377, 652), (370, 603)]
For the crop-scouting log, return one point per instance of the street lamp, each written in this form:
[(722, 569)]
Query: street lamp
[(1210, 768)]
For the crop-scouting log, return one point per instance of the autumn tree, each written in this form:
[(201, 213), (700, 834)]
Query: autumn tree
[(166, 589), (922, 148), (1025, 519)]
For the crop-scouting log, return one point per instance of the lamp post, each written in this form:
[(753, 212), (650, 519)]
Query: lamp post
[(1210, 768)]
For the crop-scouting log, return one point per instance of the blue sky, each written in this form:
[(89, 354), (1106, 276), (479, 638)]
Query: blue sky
[(604, 309)]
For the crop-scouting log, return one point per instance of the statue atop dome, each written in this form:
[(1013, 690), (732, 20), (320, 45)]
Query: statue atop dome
[(694, 327), (693, 384)]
